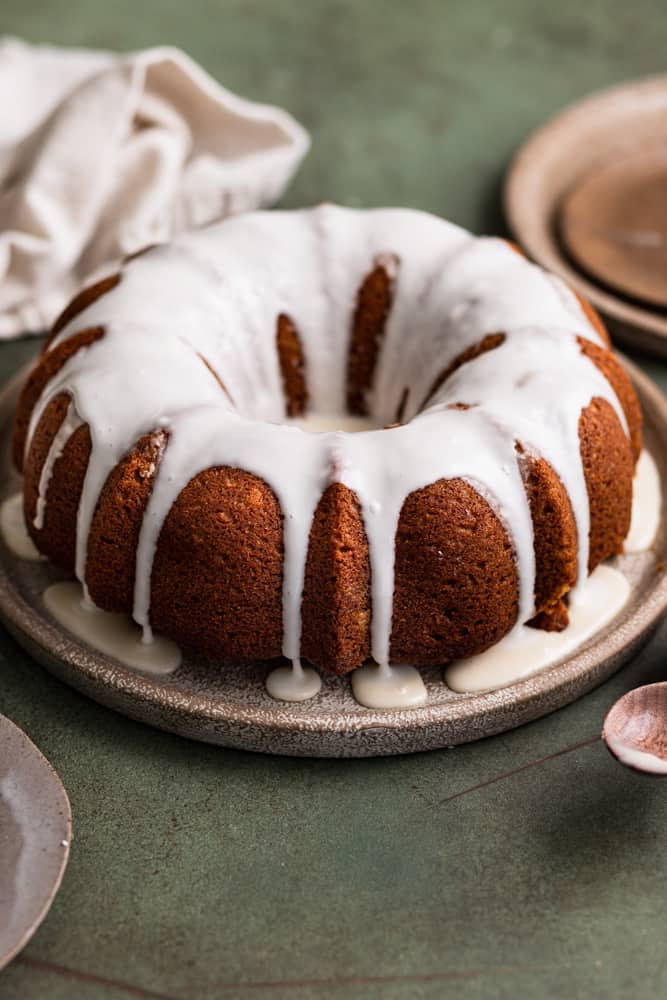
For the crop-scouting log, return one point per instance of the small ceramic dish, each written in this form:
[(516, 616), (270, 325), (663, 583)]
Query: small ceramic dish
[(587, 136), (228, 704), (35, 834)]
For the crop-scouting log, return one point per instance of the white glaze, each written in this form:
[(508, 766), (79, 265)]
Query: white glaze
[(646, 505), (295, 683), (388, 687), (640, 760), (215, 294), (115, 635), (14, 531), (526, 650)]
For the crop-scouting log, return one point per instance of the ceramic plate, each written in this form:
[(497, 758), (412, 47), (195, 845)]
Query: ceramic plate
[(35, 833), (593, 132), (228, 705)]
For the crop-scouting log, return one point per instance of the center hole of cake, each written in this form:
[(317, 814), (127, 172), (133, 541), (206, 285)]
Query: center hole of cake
[(320, 423)]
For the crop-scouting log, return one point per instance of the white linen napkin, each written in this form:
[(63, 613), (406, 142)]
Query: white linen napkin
[(102, 154)]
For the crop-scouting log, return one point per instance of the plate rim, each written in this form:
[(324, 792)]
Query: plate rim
[(637, 326), (60, 797), (285, 731)]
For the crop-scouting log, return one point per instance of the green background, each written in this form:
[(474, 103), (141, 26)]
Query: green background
[(526, 865)]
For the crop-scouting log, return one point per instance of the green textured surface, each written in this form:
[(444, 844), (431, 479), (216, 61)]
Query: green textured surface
[(527, 865)]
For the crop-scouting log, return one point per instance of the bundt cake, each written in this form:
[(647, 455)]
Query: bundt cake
[(165, 466)]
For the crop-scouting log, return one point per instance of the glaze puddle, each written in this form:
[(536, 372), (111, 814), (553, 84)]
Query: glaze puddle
[(295, 683), (388, 687), (526, 650), (113, 634)]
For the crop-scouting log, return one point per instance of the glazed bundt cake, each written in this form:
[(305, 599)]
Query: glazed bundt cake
[(165, 467)]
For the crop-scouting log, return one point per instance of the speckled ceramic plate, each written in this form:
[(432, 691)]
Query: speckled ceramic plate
[(35, 833), (586, 135), (228, 705)]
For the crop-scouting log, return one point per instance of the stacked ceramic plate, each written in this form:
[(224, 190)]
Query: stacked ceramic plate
[(586, 197), (35, 834)]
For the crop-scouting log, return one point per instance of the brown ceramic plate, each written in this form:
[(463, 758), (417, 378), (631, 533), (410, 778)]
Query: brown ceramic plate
[(608, 126), (614, 224), (227, 704), (35, 833)]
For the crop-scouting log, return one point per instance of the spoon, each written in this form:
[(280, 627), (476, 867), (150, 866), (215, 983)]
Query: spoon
[(635, 729)]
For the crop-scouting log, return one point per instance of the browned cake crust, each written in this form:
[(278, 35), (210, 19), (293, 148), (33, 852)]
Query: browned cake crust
[(554, 619), (487, 343), (555, 534), (45, 369), (456, 587), (336, 599), (57, 537), (215, 376), (609, 468), (217, 574), (292, 367), (368, 326), (85, 298), (594, 318), (114, 534), (620, 382)]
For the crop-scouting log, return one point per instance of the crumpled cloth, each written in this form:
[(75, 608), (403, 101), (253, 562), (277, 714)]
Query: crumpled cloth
[(102, 154)]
